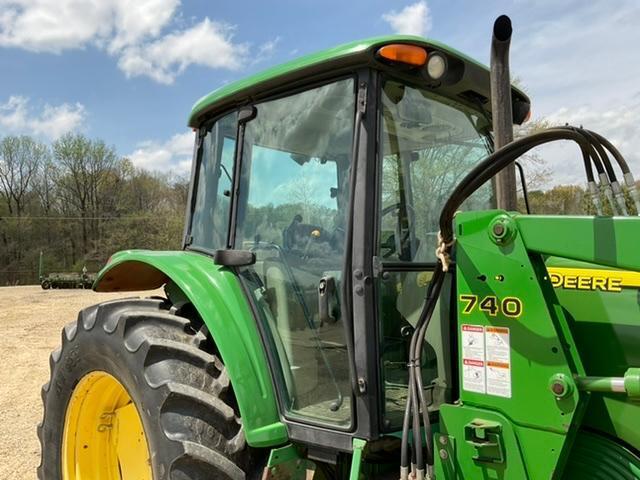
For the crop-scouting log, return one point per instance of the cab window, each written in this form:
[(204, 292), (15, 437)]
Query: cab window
[(210, 220), (293, 197), (427, 144)]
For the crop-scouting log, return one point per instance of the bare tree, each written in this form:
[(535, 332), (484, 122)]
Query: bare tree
[(20, 158), (44, 186), (85, 169)]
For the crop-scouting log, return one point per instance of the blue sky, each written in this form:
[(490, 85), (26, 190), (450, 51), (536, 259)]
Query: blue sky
[(128, 72)]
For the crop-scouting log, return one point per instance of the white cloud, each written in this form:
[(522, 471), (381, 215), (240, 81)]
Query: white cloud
[(174, 155), (618, 123), (266, 50), (207, 44), (17, 117), (57, 25), (138, 33), (577, 61), (414, 19), (47, 27), (136, 21), (579, 51)]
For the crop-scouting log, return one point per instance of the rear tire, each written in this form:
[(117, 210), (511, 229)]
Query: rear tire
[(173, 375)]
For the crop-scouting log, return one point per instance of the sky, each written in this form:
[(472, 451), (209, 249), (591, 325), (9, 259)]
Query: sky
[(128, 72)]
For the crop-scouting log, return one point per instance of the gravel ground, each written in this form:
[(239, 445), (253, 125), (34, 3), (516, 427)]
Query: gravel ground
[(31, 320)]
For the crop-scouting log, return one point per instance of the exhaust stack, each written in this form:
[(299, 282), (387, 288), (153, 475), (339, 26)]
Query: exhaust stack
[(502, 110)]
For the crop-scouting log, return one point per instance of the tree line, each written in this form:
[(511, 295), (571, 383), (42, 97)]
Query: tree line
[(77, 201)]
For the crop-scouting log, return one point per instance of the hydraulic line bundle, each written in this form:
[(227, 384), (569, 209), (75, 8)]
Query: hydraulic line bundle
[(594, 149)]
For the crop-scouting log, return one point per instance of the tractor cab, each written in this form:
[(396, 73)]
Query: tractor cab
[(333, 180)]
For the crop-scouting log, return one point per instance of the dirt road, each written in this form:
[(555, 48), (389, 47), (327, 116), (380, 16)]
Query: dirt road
[(31, 320)]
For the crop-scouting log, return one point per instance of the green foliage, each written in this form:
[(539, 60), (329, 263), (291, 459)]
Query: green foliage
[(560, 200), (570, 200), (78, 202)]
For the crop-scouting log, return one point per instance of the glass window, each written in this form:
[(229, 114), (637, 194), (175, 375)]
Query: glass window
[(400, 301), (210, 221), (428, 144), (291, 213)]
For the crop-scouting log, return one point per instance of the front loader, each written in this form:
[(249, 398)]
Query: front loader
[(357, 296)]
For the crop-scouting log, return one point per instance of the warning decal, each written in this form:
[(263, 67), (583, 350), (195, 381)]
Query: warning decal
[(486, 360), (498, 358), (473, 358)]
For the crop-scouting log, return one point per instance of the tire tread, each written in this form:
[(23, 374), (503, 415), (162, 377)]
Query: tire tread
[(184, 389)]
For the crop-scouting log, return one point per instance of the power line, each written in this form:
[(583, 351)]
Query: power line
[(89, 218)]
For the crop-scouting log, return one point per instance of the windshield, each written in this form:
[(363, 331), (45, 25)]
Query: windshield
[(428, 143)]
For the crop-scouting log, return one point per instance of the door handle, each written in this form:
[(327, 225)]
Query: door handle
[(326, 297)]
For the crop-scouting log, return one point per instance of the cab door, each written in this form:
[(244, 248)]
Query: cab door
[(293, 192)]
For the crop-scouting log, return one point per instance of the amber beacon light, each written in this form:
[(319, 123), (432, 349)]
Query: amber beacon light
[(409, 54)]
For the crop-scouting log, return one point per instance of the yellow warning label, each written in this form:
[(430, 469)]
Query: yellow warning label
[(498, 361), (593, 279)]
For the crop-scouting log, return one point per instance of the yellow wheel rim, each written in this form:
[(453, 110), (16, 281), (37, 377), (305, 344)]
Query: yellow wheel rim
[(103, 437)]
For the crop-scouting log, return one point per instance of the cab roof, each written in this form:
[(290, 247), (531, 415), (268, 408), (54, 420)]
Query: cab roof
[(353, 54)]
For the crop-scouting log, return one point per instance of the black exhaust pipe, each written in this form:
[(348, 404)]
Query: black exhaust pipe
[(502, 110)]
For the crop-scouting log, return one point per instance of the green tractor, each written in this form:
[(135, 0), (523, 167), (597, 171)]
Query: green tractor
[(357, 296)]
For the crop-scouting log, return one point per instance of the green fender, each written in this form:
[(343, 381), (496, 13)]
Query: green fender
[(217, 295)]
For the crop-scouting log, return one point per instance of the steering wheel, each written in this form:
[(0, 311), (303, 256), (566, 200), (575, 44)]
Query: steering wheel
[(396, 206)]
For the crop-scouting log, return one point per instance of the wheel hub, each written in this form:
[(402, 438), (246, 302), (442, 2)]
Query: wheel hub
[(103, 437)]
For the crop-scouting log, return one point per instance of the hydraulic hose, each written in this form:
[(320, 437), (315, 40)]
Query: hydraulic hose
[(604, 169), (622, 163), (608, 182), (604, 158), (592, 185), (404, 445), (492, 164), (591, 147), (614, 151), (418, 458), (474, 179), (589, 156), (417, 406), (410, 416), (433, 294), (614, 193), (525, 194)]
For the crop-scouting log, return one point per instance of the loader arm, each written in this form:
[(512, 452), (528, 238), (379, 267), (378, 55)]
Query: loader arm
[(521, 363)]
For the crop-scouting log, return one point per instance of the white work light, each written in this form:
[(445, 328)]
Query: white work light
[(436, 66)]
